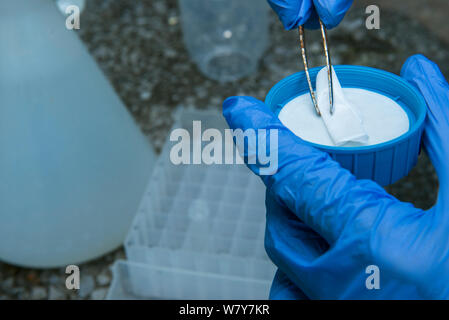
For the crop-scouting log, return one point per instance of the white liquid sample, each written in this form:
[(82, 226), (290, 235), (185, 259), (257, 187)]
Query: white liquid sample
[(383, 118)]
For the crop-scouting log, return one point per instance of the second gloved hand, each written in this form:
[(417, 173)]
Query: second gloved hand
[(294, 13)]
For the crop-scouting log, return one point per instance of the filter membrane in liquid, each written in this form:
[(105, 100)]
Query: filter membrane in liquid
[(383, 118)]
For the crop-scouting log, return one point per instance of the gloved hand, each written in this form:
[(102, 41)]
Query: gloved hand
[(294, 13), (324, 227)]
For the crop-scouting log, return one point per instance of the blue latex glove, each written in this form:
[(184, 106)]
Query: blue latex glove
[(324, 227), (294, 13)]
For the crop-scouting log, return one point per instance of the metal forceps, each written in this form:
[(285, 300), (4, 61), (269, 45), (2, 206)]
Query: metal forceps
[(328, 64)]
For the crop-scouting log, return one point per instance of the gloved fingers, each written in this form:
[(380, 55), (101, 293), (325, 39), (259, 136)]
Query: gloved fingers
[(331, 12), (292, 246), (427, 77), (283, 289), (285, 232), (307, 181), (294, 13)]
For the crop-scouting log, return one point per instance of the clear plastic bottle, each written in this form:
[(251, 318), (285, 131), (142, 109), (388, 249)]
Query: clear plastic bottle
[(73, 164), (226, 38)]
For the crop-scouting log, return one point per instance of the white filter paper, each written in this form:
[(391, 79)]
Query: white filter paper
[(345, 124)]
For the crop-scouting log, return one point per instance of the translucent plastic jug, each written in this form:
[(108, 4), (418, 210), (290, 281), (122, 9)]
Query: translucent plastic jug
[(73, 164), (64, 4), (226, 38)]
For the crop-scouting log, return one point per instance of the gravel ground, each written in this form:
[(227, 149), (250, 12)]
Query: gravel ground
[(139, 47)]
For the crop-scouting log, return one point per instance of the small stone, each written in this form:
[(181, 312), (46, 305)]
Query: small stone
[(216, 101), (201, 92), (146, 34), (32, 277), (99, 294), (407, 185), (315, 47), (38, 293), (8, 283), (173, 20), (23, 295), (17, 291), (145, 95), (55, 280), (103, 279), (160, 7), (55, 294), (87, 285), (135, 108), (353, 25), (170, 53), (227, 34), (142, 21)]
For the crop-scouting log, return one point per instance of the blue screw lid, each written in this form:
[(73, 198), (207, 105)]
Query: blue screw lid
[(386, 162)]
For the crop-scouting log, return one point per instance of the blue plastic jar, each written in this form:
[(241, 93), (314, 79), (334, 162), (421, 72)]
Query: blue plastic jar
[(386, 162)]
